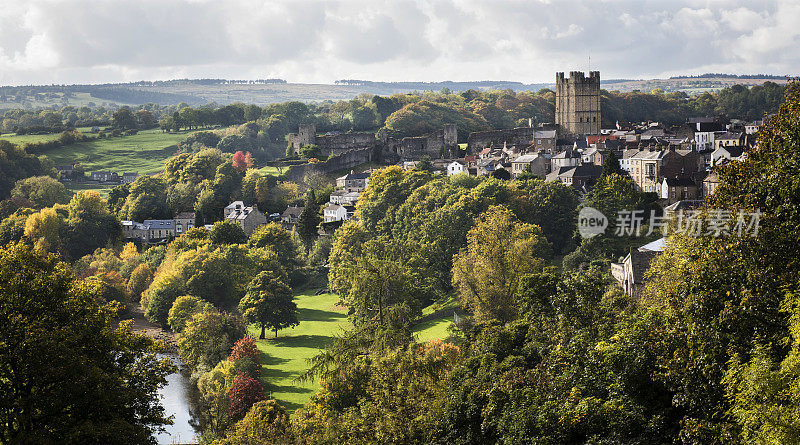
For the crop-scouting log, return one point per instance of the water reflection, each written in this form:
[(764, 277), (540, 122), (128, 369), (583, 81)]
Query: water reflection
[(177, 396)]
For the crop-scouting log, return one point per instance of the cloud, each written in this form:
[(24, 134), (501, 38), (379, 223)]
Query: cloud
[(66, 41)]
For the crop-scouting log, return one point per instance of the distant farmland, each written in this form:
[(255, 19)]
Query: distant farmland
[(144, 152)]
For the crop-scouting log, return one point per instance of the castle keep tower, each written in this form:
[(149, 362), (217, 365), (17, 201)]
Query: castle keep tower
[(578, 103)]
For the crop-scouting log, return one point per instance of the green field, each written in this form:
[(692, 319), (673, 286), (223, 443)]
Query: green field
[(286, 355), (320, 319), (143, 153), (268, 170), (100, 188)]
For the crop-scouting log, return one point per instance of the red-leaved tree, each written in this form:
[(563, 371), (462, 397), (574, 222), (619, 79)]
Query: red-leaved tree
[(245, 347), (242, 161), (244, 392)]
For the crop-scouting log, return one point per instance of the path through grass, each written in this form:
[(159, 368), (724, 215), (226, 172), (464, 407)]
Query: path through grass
[(286, 357)]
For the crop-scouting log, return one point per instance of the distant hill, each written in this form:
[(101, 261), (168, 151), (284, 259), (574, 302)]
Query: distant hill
[(265, 91)]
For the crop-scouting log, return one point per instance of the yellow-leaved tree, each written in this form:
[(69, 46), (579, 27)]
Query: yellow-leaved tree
[(500, 251)]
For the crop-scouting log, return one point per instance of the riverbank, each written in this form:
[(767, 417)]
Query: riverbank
[(144, 326)]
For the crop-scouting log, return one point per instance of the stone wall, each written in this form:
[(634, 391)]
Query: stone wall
[(520, 137), (336, 144), (442, 143), (578, 103), (342, 161)]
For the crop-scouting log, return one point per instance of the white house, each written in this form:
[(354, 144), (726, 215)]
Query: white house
[(455, 168), (334, 212)]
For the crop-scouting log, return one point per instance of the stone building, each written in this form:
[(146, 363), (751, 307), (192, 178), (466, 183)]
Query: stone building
[(247, 217), (578, 103)]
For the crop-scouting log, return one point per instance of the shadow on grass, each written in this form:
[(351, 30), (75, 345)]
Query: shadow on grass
[(272, 374), (302, 341), (319, 315), (270, 360)]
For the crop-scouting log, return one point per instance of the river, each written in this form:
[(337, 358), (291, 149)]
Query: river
[(176, 397)]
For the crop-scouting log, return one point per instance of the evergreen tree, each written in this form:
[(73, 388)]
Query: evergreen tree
[(611, 164), (309, 220)]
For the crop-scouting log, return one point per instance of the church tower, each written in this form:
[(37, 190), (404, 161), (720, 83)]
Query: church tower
[(578, 103)]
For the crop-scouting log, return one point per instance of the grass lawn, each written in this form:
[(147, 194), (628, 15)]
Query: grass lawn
[(435, 329), (23, 139), (320, 320), (102, 189), (268, 170), (144, 152), (286, 356)]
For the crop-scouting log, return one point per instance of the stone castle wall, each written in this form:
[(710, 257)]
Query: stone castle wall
[(439, 144), (578, 103), (342, 161), (520, 137)]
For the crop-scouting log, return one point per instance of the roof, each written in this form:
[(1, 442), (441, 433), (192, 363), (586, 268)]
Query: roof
[(235, 204), (680, 182), (185, 215), (684, 204), (130, 174), (159, 223), (240, 214), (655, 246), (339, 193), (456, 162), (356, 176), (649, 155), (728, 136), (292, 210), (526, 158), (586, 170), (333, 207), (567, 154), (544, 134), (733, 152)]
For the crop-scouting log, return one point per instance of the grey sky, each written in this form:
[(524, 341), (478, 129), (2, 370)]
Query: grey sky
[(76, 41)]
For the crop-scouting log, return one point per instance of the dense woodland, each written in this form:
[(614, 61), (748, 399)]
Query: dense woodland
[(547, 349)]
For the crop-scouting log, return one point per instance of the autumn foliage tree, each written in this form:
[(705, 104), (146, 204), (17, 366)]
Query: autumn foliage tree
[(242, 160), (244, 392), (500, 251)]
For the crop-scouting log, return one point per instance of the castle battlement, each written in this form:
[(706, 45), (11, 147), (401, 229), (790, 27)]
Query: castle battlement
[(578, 102)]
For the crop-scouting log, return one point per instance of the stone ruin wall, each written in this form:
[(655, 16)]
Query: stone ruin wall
[(342, 161), (521, 137), (350, 150)]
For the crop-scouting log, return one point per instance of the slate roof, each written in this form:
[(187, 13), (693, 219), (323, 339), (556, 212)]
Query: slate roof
[(526, 158), (544, 134), (680, 182), (353, 176), (166, 224), (292, 211), (567, 154)]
